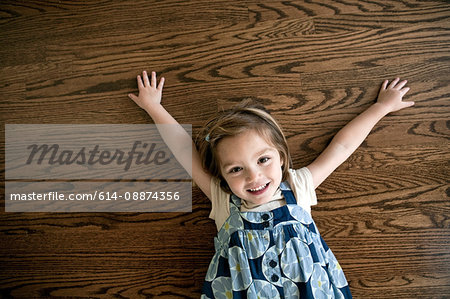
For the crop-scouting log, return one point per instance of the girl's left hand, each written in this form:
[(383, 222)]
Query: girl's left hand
[(390, 96), (150, 92)]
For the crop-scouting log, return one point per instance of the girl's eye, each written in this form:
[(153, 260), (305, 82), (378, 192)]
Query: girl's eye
[(264, 160), (235, 169)]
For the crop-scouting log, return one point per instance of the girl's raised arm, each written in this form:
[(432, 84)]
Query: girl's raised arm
[(174, 136), (349, 138)]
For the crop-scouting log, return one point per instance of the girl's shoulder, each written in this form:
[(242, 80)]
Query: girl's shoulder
[(301, 183), (300, 175), (220, 203)]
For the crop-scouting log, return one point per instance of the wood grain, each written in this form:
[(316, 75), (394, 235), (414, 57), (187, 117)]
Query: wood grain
[(314, 64)]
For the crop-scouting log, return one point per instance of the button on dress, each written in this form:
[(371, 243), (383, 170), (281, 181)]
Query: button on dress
[(275, 254)]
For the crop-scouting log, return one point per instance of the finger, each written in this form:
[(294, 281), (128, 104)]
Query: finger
[(401, 84), (408, 104), (161, 83), (139, 82), (153, 79), (393, 83), (384, 85), (404, 90), (146, 81), (132, 96)]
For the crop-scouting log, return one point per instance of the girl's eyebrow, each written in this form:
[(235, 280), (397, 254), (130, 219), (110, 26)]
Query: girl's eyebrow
[(267, 149)]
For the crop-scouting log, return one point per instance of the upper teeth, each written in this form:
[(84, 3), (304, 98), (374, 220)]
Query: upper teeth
[(259, 188)]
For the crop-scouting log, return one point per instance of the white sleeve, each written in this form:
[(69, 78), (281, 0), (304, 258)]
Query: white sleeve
[(303, 187), (220, 201)]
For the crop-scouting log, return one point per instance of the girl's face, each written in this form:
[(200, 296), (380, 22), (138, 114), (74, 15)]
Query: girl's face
[(250, 166)]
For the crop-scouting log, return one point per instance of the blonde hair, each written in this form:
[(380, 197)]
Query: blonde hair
[(245, 116)]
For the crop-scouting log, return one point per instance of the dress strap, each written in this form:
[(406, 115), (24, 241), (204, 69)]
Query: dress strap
[(287, 193), (235, 204)]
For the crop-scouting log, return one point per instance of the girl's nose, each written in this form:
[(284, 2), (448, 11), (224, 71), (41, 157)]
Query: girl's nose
[(252, 174)]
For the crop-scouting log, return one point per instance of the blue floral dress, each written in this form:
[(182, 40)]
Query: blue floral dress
[(275, 254)]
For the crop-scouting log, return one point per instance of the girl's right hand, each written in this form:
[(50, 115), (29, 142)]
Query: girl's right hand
[(150, 92), (391, 96)]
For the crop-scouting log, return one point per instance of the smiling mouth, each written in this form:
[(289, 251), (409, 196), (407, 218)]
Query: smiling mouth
[(259, 189)]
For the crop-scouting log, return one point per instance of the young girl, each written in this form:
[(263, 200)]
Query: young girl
[(267, 244)]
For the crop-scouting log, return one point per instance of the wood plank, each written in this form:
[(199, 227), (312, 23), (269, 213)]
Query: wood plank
[(273, 63)]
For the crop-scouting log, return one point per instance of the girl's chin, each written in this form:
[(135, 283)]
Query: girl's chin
[(258, 200), (261, 198)]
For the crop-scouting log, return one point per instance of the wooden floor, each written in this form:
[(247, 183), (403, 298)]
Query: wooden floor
[(314, 64)]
